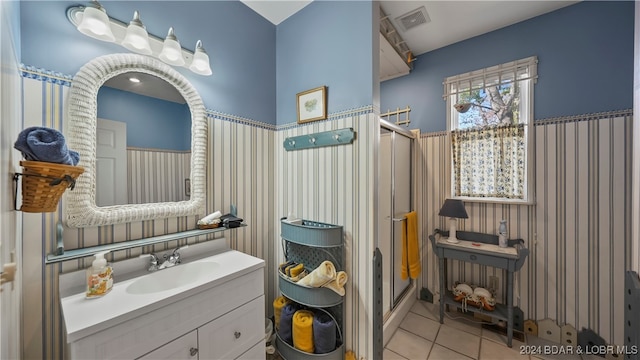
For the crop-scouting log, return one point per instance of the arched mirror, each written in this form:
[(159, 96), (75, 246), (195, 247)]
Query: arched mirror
[(143, 141), (86, 134)]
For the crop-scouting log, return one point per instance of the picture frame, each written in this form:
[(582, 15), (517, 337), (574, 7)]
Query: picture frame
[(312, 105)]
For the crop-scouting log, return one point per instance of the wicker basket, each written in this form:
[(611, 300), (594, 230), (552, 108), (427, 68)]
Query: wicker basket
[(208, 226), (43, 184)]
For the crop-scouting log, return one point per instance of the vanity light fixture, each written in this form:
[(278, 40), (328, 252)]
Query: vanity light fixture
[(95, 23), (171, 50), (137, 38), (200, 63), (92, 20)]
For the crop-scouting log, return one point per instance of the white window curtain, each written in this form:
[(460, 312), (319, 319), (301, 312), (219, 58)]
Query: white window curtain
[(489, 162)]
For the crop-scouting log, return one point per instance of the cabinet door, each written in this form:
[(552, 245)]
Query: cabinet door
[(231, 335), (181, 348)]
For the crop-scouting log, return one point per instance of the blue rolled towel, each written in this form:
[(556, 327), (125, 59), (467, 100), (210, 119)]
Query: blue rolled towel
[(286, 322), (45, 144), (324, 333)]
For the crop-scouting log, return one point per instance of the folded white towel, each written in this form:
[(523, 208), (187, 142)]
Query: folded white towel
[(338, 283), (209, 219), (323, 274)]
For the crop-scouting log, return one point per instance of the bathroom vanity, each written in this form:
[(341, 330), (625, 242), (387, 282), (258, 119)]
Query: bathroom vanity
[(208, 308)]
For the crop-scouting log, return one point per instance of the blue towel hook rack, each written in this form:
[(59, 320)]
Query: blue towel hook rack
[(321, 139)]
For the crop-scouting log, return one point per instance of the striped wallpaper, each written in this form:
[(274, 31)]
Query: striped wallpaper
[(157, 175), (240, 173), (335, 185), (579, 231)]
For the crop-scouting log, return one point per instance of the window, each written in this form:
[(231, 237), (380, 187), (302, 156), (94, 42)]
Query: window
[(490, 119)]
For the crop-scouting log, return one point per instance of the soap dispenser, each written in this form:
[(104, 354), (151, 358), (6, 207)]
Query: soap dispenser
[(99, 277), (502, 234)]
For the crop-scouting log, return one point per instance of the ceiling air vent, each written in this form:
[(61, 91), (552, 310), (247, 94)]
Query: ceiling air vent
[(413, 18)]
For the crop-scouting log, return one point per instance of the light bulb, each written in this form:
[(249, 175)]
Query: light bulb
[(171, 50), (95, 23), (200, 63), (137, 38)]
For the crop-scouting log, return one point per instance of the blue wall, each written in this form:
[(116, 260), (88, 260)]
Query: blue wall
[(240, 44), (151, 123), (326, 43), (585, 54)]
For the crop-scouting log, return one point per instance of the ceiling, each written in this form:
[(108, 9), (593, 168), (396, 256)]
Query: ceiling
[(438, 23), (450, 21), (447, 22), (146, 85)]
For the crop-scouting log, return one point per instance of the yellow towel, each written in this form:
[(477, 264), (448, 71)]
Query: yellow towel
[(278, 304), (303, 331), (337, 285), (296, 270), (320, 276), (410, 249), (349, 355)]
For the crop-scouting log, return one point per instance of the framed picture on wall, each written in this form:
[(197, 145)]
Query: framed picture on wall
[(312, 105)]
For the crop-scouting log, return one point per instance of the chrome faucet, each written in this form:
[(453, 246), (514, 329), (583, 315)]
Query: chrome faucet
[(173, 259), (169, 260), (153, 264)]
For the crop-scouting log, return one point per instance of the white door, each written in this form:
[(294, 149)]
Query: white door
[(10, 220), (111, 163)]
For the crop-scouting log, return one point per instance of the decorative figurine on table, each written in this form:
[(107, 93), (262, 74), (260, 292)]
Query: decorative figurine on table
[(478, 297)]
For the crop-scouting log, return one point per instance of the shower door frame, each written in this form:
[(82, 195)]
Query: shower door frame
[(394, 218)]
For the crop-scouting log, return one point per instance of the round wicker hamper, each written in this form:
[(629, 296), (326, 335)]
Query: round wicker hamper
[(43, 184)]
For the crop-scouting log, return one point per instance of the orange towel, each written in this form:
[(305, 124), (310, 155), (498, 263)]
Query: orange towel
[(410, 249), (303, 331)]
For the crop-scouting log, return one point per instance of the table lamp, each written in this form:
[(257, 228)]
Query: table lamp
[(454, 209)]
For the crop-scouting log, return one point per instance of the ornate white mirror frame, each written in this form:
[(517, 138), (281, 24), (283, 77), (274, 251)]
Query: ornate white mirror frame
[(80, 204)]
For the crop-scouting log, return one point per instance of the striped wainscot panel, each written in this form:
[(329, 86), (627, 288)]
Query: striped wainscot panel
[(579, 230), (240, 171), (157, 175), (336, 185)]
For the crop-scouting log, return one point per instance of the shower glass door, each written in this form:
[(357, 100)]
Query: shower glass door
[(394, 203)]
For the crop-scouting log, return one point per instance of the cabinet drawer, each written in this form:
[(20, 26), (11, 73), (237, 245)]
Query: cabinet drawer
[(234, 333), (477, 258)]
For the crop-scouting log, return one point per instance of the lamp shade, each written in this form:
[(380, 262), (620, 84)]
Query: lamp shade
[(95, 23), (454, 209), (137, 38), (171, 50), (200, 63)]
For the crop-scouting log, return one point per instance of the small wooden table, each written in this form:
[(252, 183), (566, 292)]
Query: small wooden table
[(488, 253)]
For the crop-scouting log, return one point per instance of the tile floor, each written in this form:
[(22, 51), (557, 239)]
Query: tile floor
[(421, 336)]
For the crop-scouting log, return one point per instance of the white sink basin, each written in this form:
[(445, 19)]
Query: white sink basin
[(171, 278)]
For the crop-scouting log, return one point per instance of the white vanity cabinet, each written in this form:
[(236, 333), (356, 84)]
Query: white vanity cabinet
[(228, 337), (219, 319)]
